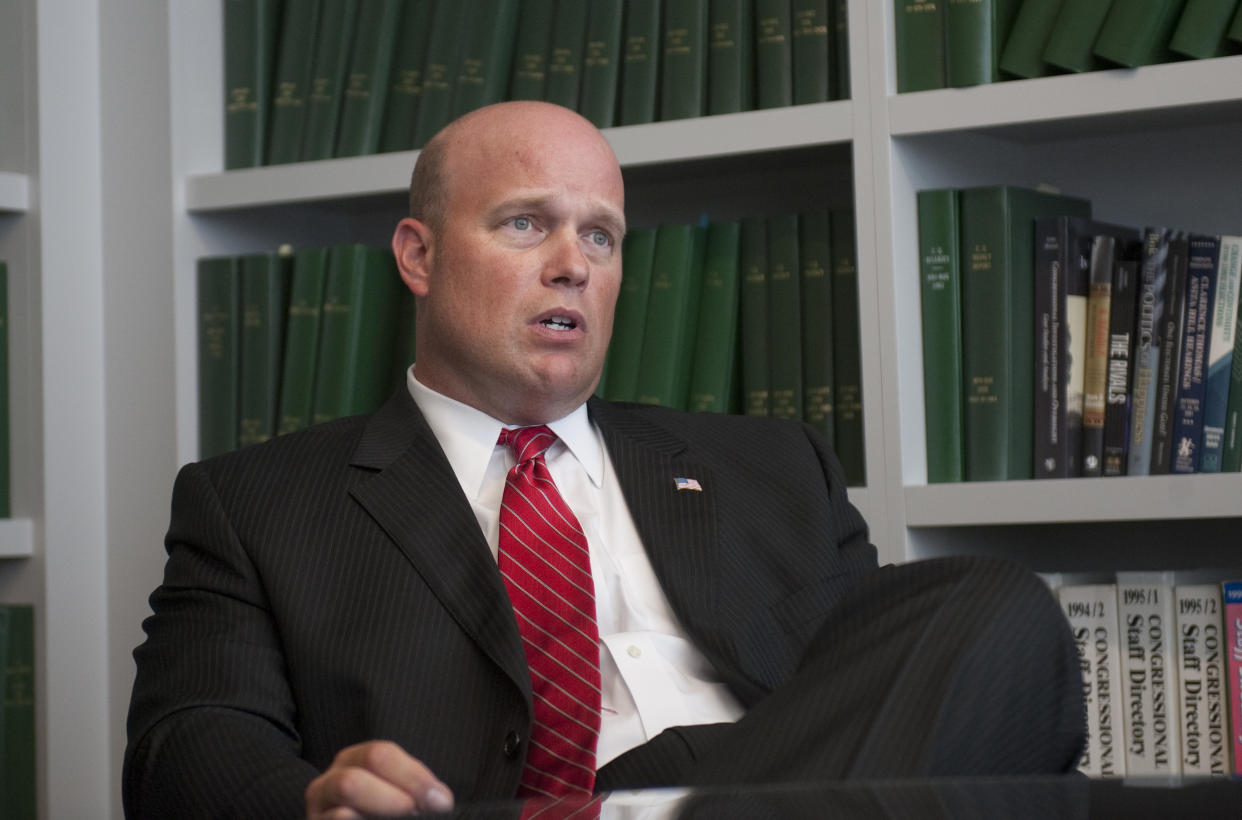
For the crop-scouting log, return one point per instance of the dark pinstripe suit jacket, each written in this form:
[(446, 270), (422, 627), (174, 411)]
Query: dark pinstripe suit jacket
[(333, 586)]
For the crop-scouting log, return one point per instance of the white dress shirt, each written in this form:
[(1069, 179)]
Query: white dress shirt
[(653, 676)]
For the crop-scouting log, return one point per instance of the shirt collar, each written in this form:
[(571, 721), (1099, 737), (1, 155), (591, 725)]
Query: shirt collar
[(468, 435)]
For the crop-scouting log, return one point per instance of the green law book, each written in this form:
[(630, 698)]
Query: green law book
[(302, 325), (940, 293), (998, 327), (366, 83), (784, 317), (264, 305), (565, 53), (1072, 40), (815, 262), (640, 67), (219, 353), (529, 74), (756, 375), (846, 349), (841, 50), (249, 57), (773, 54), (683, 88), (435, 109), (356, 337), (6, 494), (920, 44), (19, 749), (1137, 32), (337, 21), (601, 63), (1235, 28), (1023, 55), (730, 56), (405, 78), (487, 54), (714, 361), (975, 33), (626, 349), (1200, 32), (291, 83), (672, 316), (812, 51)]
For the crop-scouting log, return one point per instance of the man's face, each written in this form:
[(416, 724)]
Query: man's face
[(523, 275)]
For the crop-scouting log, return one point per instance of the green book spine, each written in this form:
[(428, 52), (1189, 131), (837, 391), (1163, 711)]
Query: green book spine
[(812, 52), (683, 91), (715, 350), (435, 109), (640, 70), (1200, 32), (841, 50), (6, 489), (529, 75), (784, 317), (19, 749), (565, 54), (815, 262), (940, 294), (264, 292), (756, 378), (1137, 32), (920, 43), (731, 57), (359, 321), (291, 84), (302, 327), (1072, 40), (366, 83), (975, 32), (773, 54), (1231, 455), (1235, 28), (337, 21), (846, 349), (405, 78), (672, 316), (601, 64), (219, 350), (626, 350), (249, 56), (1023, 55), (487, 56), (998, 328)]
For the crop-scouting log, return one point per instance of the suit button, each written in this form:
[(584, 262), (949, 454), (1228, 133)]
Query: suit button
[(513, 744)]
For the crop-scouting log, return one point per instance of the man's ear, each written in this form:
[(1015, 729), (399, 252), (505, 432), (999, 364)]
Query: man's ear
[(411, 247)]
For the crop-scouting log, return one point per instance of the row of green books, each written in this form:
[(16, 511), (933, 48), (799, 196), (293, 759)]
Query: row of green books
[(1056, 345), (756, 316), (1161, 671), (17, 712), (290, 339), (957, 43), (315, 79)]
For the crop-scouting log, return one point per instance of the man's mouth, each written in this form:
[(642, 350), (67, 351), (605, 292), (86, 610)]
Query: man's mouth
[(561, 323)]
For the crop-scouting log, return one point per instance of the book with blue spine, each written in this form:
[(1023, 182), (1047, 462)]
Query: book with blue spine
[(1192, 386)]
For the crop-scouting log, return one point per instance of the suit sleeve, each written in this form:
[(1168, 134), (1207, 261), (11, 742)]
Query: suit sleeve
[(211, 722)]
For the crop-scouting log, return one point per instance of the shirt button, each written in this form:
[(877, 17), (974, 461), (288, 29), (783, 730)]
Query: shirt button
[(634, 651), (512, 745)]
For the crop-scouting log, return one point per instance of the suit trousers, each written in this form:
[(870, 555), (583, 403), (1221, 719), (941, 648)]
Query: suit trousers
[(958, 666)]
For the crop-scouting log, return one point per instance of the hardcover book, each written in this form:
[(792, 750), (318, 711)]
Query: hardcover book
[(337, 21), (1232, 594), (565, 54), (1219, 364), (1120, 356), (672, 316), (1201, 678), (1023, 54), (1091, 610), (1095, 374), (365, 92), (756, 378), (1137, 32), (1171, 343), (846, 349), (773, 54), (405, 78), (715, 360), (219, 353), (301, 344), (640, 67), (1192, 385), (250, 35), (1200, 31), (940, 295), (683, 89), (601, 63), (291, 83), (1148, 321), (18, 744), (731, 56), (920, 45), (1071, 42), (628, 327), (1149, 673), (812, 51), (264, 289), (976, 31), (435, 109), (486, 56), (815, 262), (784, 317), (529, 75)]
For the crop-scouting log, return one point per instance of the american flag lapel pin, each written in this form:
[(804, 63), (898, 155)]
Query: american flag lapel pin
[(688, 484)]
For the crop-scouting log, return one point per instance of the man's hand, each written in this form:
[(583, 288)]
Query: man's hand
[(375, 778)]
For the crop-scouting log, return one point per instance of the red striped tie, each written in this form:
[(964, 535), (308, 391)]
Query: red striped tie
[(546, 568)]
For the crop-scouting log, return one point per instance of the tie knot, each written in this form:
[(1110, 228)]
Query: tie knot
[(527, 442)]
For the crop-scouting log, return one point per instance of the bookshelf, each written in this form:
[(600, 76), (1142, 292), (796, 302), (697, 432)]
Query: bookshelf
[(110, 191)]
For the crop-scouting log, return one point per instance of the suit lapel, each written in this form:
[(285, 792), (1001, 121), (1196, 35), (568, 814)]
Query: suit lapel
[(678, 527), (414, 496)]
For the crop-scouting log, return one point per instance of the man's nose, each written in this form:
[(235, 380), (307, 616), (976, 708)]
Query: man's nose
[(566, 263)]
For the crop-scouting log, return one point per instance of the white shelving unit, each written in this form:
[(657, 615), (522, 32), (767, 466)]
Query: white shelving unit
[(108, 186)]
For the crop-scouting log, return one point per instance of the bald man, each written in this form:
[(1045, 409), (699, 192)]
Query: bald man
[(333, 636)]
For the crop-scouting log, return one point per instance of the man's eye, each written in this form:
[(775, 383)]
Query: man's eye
[(600, 238), (522, 223)]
